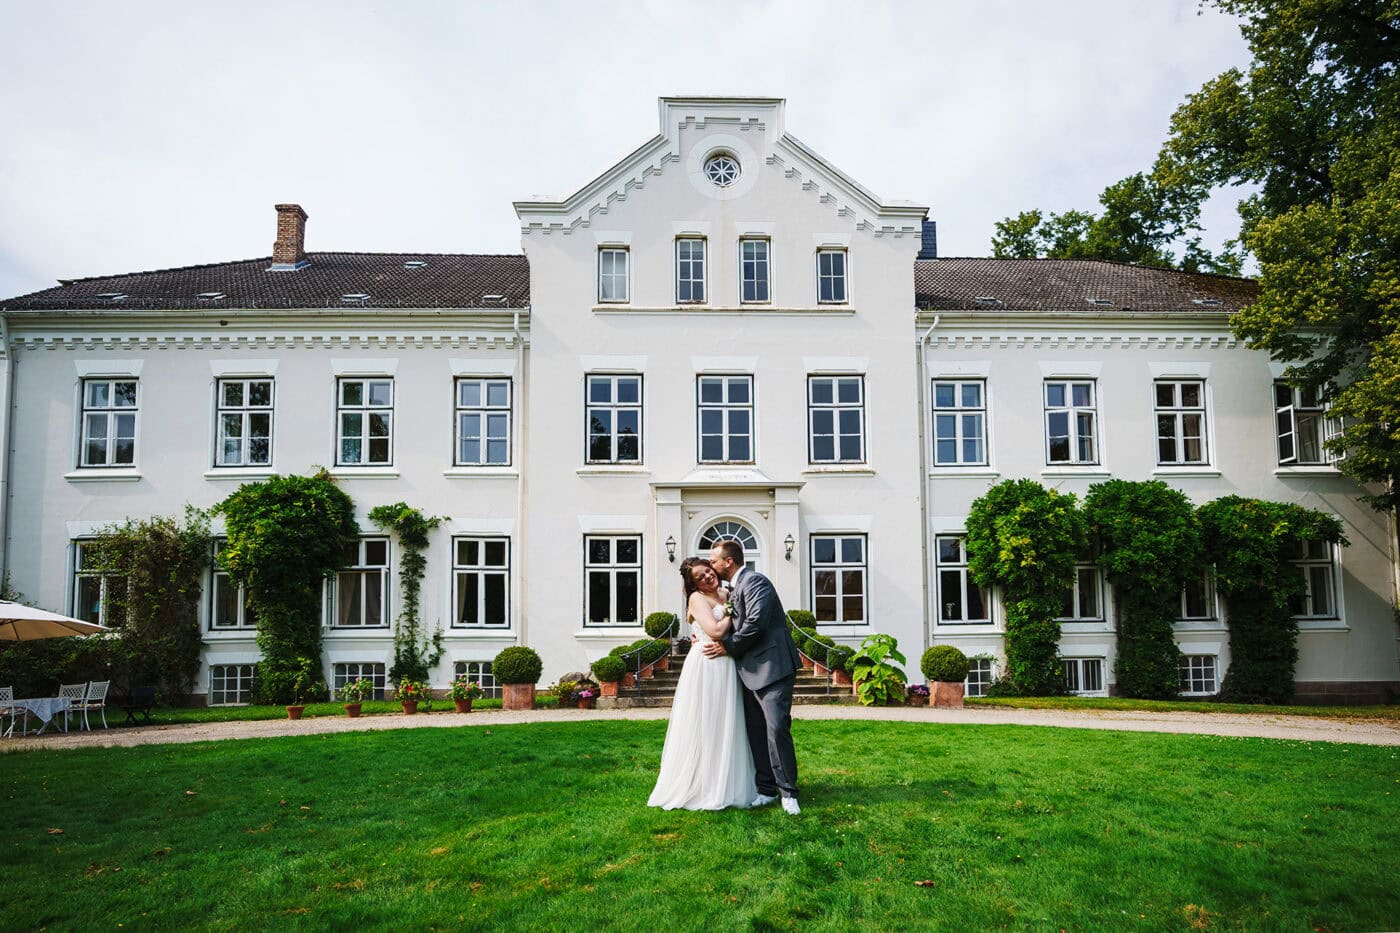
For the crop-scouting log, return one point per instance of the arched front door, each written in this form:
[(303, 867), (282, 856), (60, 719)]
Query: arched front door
[(731, 531)]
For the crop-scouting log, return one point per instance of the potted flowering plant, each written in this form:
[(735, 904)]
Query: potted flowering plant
[(586, 696), (463, 691), (354, 693), (303, 684), (410, 693), (917, 694)]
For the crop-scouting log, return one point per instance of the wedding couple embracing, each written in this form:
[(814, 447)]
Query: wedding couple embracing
[(729, 741)]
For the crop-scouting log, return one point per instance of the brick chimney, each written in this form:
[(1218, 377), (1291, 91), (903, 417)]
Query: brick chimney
[(289, 250)]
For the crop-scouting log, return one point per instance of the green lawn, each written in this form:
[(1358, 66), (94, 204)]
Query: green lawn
[(1388, 712), (545, 826)]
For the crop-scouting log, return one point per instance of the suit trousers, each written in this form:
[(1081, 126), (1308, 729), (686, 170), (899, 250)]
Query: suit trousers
[(768, 720)]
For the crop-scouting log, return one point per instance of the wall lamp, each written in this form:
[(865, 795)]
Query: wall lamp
[(671, 549), (788, 545)]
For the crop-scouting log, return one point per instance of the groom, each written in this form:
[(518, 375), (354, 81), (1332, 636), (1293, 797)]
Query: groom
[(767, 661)]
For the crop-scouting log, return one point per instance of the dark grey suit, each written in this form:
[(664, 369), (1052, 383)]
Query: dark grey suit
[(767, 661)]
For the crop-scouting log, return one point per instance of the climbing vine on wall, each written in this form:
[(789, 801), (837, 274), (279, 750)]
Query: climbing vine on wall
[(414, 653)]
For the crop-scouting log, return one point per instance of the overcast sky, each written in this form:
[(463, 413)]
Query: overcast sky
[(146, 135)]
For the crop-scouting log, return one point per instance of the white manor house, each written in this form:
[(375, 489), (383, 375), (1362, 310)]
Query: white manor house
[(720, 336)]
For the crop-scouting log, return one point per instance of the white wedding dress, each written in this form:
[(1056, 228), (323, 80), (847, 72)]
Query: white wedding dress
[(706, 763)]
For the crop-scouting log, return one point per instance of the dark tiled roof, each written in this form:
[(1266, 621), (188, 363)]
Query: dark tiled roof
[(1071, 285), (443, 281)]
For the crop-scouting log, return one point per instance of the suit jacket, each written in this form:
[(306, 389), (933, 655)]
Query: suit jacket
[(760, 643)]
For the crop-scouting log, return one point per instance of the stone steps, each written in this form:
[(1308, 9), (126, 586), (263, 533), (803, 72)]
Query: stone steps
[(660, 689)]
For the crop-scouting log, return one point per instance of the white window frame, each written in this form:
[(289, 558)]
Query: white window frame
[(1173, 417), (840, 281), (493, 419), (985, 671), (1076, 675), (243, 413), (242, 679), (1074, 414), (727, 409), (362, 568), (691, 270), (1192, 672), (756, 270), (345, 672), (1212, 605), (111, 415), (837, 410), (1308, 563), (366, 411), (609, 277), (1094, 576), (1291, 404), (959, 414), (612, 408), (479, 671), (219, 580), (840, 567), (965, 583), (482, 570), (105, 581), (613, 569)]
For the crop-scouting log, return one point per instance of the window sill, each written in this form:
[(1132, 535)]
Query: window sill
[(231, 634), (484, 472), (837, 469), (1320, 469), (239, 473), (368, 631), (939, 471), (1090, 470), (605, 469), (1193, 626), (712, 310), (591, 631), (94, 475), (1322, 625), (1204, 470), (969, 628), (484, 634), (1084, 626), (351, 472)]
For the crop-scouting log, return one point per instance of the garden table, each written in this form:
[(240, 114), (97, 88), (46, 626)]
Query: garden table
[(45, 708)]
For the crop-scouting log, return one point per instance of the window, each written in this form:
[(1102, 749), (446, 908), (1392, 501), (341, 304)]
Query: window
[(1181, 422), (91, 586), (690, 269), (1083, 602), (613, 585), (1315, 560), (838, 579), (347, 672), (1069, 423), (831, 276), (980, 674), (753, 263), (731, 531), (228, 602), (722, 169), (612, 274), (109, 423), (365, 421), (479, 671), (483, 422), (1083, 676), (726, 419), (481, 582), (245, 422), (1198, 597), (359, 588), (1197, 674), (960, 423), (230, 684), (959, 599), (1302, 426), (836, 419), (614, 413)]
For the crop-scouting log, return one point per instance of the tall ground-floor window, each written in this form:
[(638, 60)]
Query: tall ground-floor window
[(959, 598), (479, 671), (359, 588), (612, 579), (839, 579), (91, 586), (230, 684), (481, 582), (347, 672)]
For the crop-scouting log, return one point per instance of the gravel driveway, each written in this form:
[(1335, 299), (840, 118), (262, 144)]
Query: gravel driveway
[(1296, 728)]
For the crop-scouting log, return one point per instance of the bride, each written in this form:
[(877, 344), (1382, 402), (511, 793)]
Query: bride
[(706, 763)]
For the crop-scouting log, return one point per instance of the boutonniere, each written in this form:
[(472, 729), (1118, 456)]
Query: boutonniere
[(729, 608)]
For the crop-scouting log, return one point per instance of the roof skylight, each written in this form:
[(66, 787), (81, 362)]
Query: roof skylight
[(354, 298), (1206, 302), (415, 263), (211, 296), (987, 300), (1101, 302), (112, 296)]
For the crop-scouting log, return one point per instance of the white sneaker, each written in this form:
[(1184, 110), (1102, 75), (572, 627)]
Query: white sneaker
[(790, 806), (761, 800)]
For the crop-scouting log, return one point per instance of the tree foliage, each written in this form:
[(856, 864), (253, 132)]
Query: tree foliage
[(1251, 543), (415, 654), (1314, 124), (1149, 542), (1025, 539), (286, 535)]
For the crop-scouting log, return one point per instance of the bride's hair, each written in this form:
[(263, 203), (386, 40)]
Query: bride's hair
[(688, 579)]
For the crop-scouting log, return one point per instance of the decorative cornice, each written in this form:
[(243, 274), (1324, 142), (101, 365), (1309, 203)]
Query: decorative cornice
[(1089, 341), (268, 341)]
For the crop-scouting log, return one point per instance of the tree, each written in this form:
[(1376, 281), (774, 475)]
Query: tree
[(1315, 125)]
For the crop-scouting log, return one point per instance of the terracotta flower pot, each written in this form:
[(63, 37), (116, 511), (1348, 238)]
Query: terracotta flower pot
[(647, 673), (588, 703), (917, 700), (463, 706), (629, 680), (352, 710), (841, 678), (663, 663), (609, 688), (806, 661), (518, 696), (821, 669), (294, 712), (947, 694), (409, 706)]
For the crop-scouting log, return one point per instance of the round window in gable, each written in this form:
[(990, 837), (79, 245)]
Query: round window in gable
[(722, 169)]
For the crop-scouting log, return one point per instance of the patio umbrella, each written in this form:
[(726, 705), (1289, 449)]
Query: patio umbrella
[(24, 623)]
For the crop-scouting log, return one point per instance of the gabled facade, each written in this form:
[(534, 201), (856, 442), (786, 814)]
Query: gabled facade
[(720, 336)]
